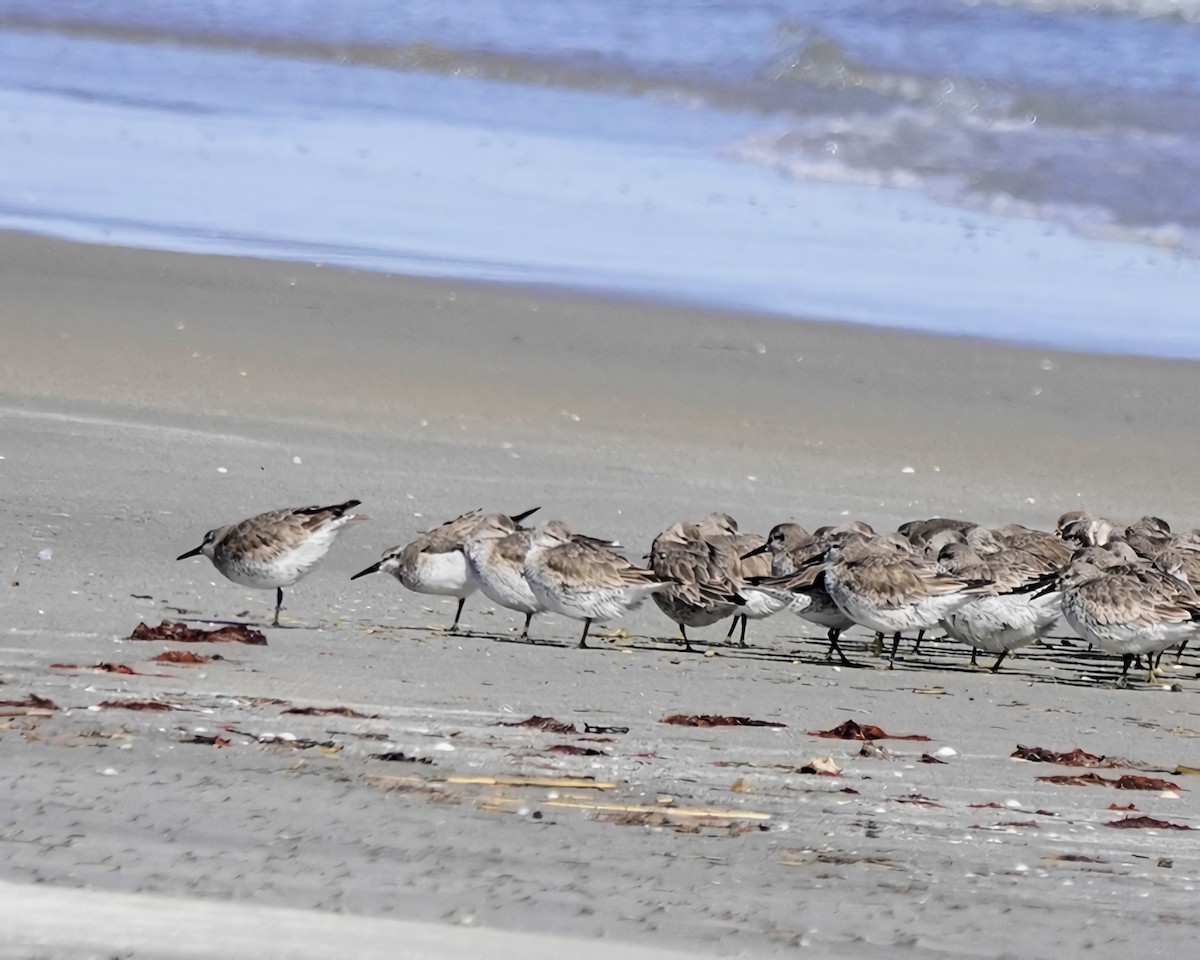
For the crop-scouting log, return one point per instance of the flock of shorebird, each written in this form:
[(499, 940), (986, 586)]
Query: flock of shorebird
[(1125, 589)]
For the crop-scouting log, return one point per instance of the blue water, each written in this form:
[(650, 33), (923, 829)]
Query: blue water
[(1012, 171)]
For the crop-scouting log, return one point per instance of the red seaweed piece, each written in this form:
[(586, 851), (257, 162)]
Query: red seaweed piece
[(715, 720), (175, 632), (1145, 823), (851, 730)]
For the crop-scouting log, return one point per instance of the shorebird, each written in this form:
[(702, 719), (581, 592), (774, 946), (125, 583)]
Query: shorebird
[(1127, 606), (879, 586), (720, 530), (700, 592), (797, 577), (1003, 620), (496, 551), (582, 580), (273, 550), (435, 563)]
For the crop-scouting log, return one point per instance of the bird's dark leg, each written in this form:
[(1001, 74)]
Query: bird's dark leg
[(877, 645), (1127, 662), (834, 633), (587, 625), (732, 626), (278, 605), (457, 613), (742, 639), (917, 645), (687, 645), (525, 632), (895, 647), (999, 660), (1182, 647), (974, 659)]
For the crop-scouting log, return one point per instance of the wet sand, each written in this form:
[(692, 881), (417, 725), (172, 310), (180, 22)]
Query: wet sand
[(148, 397)]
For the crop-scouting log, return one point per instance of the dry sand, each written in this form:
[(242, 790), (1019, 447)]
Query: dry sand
[(148, 397)]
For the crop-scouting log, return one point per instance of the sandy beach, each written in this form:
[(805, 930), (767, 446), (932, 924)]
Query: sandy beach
[(148, 397)]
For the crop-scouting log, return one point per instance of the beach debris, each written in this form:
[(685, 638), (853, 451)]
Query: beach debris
[(548, 724), (120, 668), (284, 740), (1145, 823), (1128, 782), (31, 706), (175, 632), (716, 720), (1075, 758), (714, 813), (330, 712), (992, 805), (929, 758), (590, 728), (572, 750), (45, 554), (184, 657), (931, 691), (875, 752), (1072, 858), (1185, 771), (397, 756), (213, 741), (1004, 825), (917, 799), (136, 705), (1128, 808), (852, 730), (822, 767)]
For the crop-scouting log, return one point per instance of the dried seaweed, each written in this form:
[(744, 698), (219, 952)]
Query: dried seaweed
[(1128, 782), (136, 705), (715, 720), (549, 724), (850, 730), (121, 668), (31, 704), (590, 728), (1145, 823), (397, 756), (930, 758), (330, 712), (1076, 758), (184, 657), (175, 632), (572, 750), (917, 799), (208, 741)]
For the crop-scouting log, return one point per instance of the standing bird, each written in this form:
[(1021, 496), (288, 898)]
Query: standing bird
[(1126, 605), (1007, 616), (435, 563), (496, 551), (700, 593), (889, 590), (582, 580), (275, 549), (795, 573)]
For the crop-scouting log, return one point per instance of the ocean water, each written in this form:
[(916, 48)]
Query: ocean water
[(1025, 170)]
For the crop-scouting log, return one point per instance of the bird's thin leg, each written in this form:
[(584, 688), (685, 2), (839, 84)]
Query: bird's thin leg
[(917, 645), (834, 633), (895, 647), (1182, 647), (732, 626), (587, 625), (1126, 661), (999, 660), (687, 644), (877, 645), (278, 605), (742, 639), (974, 659), (525, 632), (457, 613)]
